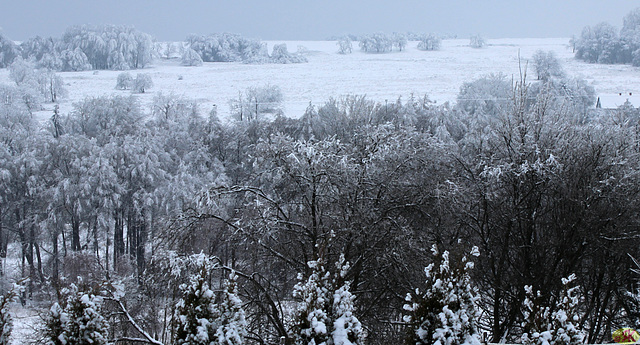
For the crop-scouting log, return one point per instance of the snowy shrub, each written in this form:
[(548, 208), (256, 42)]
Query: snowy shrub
[(125, 81), (191, 58), (429, 42), (55, 325), (446, 312), (142, 83), (546, 326), (315, 302)]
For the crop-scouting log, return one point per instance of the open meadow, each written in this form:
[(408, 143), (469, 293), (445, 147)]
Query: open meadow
[(438, 74)]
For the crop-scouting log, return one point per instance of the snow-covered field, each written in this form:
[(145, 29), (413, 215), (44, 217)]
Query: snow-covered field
[(439, 74)]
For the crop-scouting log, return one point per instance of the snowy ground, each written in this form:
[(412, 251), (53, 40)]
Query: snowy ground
[(25, 323), (438, 74)]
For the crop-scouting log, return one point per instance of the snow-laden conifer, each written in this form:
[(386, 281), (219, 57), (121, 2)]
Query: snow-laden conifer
[(195, 319), (326, 311), (232, 327), (78, 321), (314, 295), (347, 329), (446, 312)]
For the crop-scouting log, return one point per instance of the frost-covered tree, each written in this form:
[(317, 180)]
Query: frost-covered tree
[(446, 312), (376, 43), (195, 320), (552, 325), (257, 101), (547, 65), (142, 83), (107, 46), (232, 325), (51, 85), (486, 95), (344, 45), (477, 41), (22, 71), (191, 58), (76, 60), (228, 47), (124, 81), (399, 40), (429, 42)]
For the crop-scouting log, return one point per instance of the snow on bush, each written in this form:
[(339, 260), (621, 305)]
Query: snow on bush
[(446, 312)]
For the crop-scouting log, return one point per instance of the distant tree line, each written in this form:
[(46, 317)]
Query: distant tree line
[(228, 47), (603, 43)]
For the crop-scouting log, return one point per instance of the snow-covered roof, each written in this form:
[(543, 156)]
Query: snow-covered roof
[(613, 101)]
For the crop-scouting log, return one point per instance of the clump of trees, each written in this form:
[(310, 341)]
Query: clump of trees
[(429, 42), (603, 43), (281, 55), (85, 47), (227, 47), (377, 43)]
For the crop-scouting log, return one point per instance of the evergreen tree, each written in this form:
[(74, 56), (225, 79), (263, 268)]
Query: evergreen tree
[(196, 315), (446, 313), (78, 322), (233, 325), (347, 329), (325, 313), (312, 314)]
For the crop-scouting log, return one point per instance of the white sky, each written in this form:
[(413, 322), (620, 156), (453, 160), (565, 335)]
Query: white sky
[(314, 20)]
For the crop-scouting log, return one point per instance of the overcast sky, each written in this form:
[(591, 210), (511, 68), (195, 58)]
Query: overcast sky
[(314, 20)]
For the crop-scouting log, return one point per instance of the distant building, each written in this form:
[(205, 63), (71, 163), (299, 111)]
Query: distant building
[(613, 101)]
